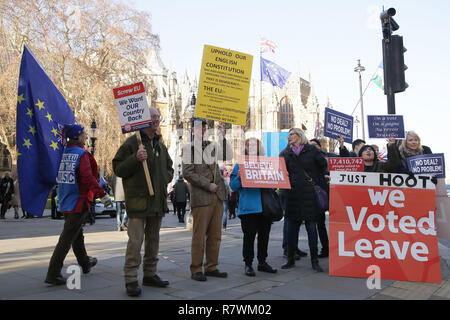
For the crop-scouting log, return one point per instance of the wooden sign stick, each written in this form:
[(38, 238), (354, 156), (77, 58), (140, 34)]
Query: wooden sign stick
[(144, 164)]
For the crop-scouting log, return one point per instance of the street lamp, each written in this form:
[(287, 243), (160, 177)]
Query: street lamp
[(359, 68), (93, 135), (356, 124)]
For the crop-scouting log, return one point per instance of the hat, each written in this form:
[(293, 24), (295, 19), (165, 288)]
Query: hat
[(73, 131), (364, 147)]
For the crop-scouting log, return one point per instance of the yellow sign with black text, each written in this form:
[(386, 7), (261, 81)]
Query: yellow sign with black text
[(224, 85)]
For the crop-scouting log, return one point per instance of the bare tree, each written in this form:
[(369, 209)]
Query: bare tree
[(87, 48)]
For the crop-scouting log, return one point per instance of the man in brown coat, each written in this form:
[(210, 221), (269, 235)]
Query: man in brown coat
[(207, 188)]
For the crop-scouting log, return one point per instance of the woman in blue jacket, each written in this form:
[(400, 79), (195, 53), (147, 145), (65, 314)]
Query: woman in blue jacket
[(250, 212)]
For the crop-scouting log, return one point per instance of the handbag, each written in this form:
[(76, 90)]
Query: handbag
[(321, 195), (271, 205)]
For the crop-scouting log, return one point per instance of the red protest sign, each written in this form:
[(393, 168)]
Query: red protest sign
[(386, 220), (346, 164), (263, 172)]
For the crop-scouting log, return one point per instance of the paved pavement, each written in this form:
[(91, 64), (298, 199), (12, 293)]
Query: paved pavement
[(26, 246)]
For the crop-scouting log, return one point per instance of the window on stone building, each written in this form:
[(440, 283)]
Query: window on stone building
[(286, 113)]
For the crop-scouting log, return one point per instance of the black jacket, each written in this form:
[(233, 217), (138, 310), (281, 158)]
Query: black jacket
[(403, 164), (5, 191), (301, 198)]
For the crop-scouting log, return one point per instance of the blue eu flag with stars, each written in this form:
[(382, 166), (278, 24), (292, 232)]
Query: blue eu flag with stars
[(42, 112), (273, 73)]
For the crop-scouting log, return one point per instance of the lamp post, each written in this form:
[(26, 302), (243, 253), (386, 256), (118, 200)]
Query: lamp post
[(359, 68), (356, 124), (93, 135)]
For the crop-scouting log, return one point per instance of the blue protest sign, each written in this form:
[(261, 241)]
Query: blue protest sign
[(386, 126), (275, 142), (337, 123), (433, 164)]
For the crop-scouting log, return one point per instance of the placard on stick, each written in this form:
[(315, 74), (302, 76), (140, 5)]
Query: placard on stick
[(224, 85), (338, 123), (134, 115)]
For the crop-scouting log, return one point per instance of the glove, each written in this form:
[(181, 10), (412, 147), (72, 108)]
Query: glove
[(106, 200), (434, 180)]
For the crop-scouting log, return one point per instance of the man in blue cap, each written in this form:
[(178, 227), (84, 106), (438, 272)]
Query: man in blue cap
[(77, 187)]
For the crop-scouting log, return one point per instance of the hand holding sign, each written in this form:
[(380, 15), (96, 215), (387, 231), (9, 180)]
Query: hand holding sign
[(141, 155)]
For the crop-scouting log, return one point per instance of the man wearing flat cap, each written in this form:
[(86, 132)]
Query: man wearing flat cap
[(77, 187)]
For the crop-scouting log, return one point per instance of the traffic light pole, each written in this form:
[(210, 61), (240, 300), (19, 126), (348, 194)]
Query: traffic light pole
[(387, 65)]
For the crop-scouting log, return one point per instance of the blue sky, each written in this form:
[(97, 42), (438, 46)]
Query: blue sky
[(324, 38)]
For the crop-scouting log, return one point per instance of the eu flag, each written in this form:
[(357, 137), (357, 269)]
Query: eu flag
[(41, 113), (273, 73)]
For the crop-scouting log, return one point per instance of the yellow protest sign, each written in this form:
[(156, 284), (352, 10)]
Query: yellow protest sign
[(224, 85)]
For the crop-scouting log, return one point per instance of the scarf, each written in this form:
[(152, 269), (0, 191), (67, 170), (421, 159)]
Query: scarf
[(298, 149), (406, 153)]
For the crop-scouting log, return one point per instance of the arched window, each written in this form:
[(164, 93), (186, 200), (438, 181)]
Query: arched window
[(286, 113)]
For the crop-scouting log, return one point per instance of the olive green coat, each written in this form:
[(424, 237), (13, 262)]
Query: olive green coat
[(138, 202)]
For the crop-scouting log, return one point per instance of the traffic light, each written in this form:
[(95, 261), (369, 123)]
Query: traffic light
[(397, 66)]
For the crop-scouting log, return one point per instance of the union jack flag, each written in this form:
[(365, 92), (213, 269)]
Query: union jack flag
[(382, 155), (60, 135), (267, 45)]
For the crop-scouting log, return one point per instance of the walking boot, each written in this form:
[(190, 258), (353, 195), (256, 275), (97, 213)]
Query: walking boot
[(291, 259), (315, 260)]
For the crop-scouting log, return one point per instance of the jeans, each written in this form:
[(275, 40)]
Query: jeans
[(293, 227), (225, 214)]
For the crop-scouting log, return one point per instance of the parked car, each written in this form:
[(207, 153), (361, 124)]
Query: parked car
[(101, 210)]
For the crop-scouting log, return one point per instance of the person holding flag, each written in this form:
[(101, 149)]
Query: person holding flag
[(76, 179)]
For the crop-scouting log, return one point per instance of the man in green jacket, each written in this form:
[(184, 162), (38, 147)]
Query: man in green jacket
[(144, 212)]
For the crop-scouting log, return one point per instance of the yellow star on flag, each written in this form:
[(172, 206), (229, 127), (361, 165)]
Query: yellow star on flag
[(30, 112), (27, 143), (40, 104), (18, 153), (20, 98), (54, 145), (32, 130), (49, 117), (55, 132)]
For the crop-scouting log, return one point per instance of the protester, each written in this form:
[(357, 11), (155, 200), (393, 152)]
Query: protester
[(74, 202), (119, 198), (305, 165), (409, 147), (144, 212), (206, 199), (250, 212), (180, 194), (316, 142), (356, 145), (6, 192)]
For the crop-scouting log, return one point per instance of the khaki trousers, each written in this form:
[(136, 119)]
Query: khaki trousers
[(138, 229), (206, 236)]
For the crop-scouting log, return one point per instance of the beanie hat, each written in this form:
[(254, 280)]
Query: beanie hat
[(73, 131), (364, 147)]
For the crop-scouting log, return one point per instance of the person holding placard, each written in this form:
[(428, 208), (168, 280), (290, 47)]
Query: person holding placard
[(410, 147), (201, 171), (371, 162), (250, 213), (307, 167), (144, 212)]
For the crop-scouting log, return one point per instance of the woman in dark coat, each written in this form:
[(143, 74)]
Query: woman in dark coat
[(410, 147), (303, 160)]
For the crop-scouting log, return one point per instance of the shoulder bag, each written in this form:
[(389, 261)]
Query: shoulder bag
[(271, 205)]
